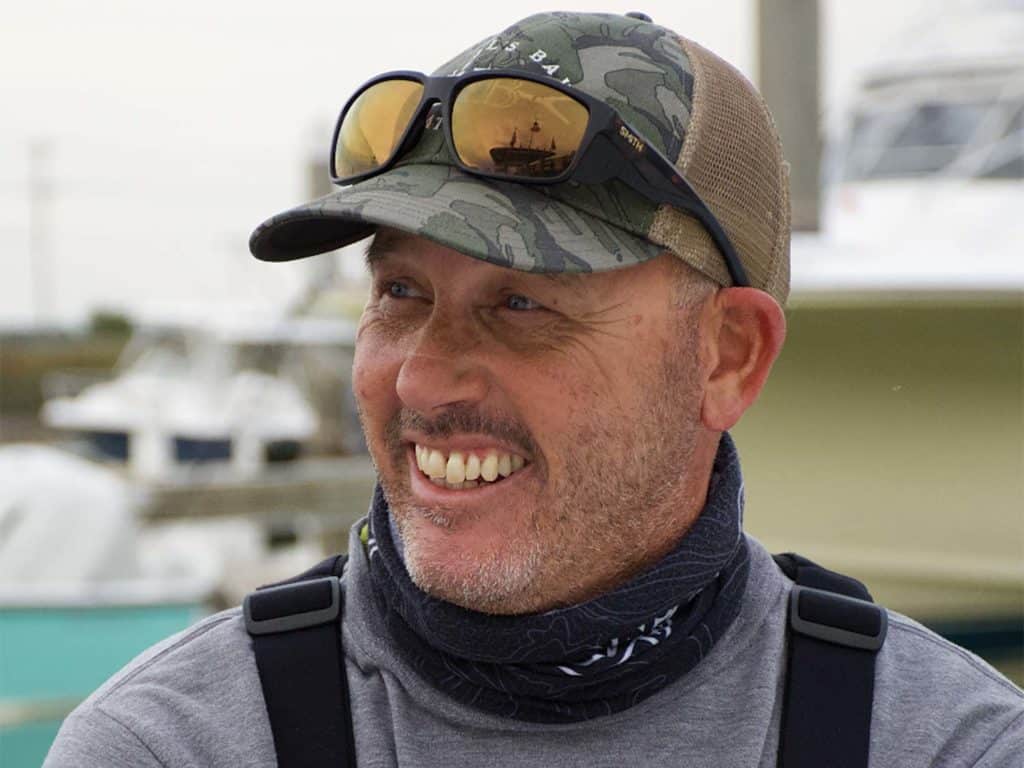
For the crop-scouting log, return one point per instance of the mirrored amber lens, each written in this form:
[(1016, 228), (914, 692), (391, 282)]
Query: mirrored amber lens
[(373, 126), (514, 127)]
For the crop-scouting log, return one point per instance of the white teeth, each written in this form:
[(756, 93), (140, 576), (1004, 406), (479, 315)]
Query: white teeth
[(504, 465), (489, 468), (459, 470), (436, 465), (455, 470)]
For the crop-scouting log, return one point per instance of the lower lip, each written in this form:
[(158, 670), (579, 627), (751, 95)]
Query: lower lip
[(430, 493)]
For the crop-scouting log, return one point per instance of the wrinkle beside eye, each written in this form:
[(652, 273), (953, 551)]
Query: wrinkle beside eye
[(551, 332)]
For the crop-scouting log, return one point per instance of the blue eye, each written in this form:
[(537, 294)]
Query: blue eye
[(397, 290), (520, 303)]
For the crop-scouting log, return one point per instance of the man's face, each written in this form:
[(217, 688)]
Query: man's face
[(573, 400)]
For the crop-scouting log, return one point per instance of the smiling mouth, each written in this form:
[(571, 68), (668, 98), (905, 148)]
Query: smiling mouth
[(462, 470)]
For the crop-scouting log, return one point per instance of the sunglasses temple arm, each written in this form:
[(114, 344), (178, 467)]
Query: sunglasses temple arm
[(600, 162), (630, 171), (721, 239)]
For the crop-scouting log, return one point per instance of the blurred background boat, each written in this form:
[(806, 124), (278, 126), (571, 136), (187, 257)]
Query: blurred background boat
[(87, 581), (168, 490), (888, 441), (926, 187), (78, 596), (184, 396)]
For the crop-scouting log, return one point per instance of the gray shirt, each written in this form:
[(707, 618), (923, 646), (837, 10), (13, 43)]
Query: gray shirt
[(195, 700)]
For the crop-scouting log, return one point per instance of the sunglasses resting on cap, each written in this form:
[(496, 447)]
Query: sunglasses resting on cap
[(517, 127)]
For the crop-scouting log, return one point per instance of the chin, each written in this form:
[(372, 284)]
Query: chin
[(491, 574)]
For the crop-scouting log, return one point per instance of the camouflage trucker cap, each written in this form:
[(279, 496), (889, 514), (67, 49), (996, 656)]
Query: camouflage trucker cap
[(696, 108)]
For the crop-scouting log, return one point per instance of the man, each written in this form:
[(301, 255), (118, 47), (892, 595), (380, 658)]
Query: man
[(561, 328)]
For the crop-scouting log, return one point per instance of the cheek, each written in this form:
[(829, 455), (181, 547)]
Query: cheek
[(559, 400), (374, 373), (603, 389)]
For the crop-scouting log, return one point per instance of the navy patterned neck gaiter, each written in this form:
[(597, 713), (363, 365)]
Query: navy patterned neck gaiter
[(586, 660)]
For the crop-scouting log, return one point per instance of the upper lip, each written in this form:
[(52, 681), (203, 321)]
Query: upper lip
[(467, 443)]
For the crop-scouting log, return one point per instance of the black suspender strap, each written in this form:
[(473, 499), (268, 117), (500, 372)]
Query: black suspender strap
[(296, 632), (835, 632)]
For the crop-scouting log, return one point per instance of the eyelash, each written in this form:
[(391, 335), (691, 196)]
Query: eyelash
[(510, 296), (387, 286)]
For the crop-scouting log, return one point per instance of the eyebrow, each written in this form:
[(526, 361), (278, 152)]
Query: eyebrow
[(379, 250), (563, 279), (376, 251)]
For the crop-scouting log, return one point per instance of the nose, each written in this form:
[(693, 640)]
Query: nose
[(442, 368)]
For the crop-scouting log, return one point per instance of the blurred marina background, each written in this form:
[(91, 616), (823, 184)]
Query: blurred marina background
[(176, 420)]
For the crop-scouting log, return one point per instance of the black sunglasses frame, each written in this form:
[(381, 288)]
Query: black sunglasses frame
[(609, 149)]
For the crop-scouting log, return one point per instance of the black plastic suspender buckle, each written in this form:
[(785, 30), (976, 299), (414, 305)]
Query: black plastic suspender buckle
[(837, 619), (292, 606)]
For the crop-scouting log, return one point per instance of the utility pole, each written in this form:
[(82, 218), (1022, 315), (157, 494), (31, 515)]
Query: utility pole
[(40, 228), (322, 269), (788, 66)]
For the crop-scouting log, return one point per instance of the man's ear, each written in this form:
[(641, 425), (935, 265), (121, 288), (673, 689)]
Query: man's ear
[(742, 330)]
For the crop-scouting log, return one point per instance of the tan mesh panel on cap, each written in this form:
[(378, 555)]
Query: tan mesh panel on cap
[(732, 156)]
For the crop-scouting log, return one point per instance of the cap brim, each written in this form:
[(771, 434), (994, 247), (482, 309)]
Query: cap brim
[(511, 225)]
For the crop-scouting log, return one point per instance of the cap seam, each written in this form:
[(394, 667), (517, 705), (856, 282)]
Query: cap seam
[(696, 106)]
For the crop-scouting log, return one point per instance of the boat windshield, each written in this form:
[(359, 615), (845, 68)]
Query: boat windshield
[(953, 138)]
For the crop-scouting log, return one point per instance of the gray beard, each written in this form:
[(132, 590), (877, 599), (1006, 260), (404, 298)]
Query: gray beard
[(593, 523)]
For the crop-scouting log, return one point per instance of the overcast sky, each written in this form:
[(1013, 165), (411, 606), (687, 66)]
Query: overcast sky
[(167, 131)]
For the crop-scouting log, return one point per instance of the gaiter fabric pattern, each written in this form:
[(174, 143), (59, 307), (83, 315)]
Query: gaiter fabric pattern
[(586, 660)]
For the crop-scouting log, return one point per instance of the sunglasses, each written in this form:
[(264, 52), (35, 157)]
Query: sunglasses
[(517, 127)]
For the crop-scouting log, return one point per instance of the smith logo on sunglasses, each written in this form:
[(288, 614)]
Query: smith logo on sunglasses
[(632, 138)]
